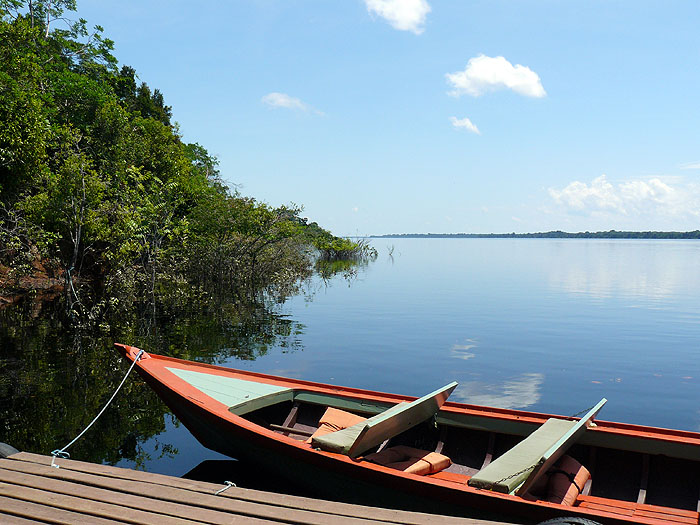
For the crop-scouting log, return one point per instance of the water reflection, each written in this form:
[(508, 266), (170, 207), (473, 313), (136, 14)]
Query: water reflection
[(54, 378), (55, 375), (519, 392), (349, 270), (654, 270), (463, 351)]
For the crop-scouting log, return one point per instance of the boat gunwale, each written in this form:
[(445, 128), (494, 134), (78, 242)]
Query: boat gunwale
[(520, 416)]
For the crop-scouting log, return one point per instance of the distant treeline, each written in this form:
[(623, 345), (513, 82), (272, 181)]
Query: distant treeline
[(612, 234)]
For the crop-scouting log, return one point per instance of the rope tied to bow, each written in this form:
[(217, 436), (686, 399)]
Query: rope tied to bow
[(61, 452)]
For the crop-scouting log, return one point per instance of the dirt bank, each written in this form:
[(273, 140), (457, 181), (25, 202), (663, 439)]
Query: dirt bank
[(45, 284)]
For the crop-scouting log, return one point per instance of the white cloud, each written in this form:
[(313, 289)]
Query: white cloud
[(282, 100), (579, 196), (484, 74), (405, 15), (632, 198), (465, 124), (691, 166)]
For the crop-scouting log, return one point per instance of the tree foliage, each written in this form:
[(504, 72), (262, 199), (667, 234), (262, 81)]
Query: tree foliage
[(95, 177)]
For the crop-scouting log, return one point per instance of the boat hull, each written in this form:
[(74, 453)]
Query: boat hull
[(340, 478), (315, 474)]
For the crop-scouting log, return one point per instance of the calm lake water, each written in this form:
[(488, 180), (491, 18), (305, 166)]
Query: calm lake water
[(538, 324)]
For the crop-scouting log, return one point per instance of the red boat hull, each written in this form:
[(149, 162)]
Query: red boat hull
[(338, 477)]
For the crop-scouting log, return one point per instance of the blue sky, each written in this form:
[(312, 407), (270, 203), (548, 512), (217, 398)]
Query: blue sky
[(391, 116)]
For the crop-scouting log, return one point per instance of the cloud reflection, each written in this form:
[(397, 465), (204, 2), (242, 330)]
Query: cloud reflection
[(462, 351), (519, 392), (639, 270)]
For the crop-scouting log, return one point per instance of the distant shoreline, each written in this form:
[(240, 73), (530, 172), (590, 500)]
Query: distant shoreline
[(612, 234)]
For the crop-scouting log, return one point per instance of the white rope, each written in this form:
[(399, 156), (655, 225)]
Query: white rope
[(61, 452)]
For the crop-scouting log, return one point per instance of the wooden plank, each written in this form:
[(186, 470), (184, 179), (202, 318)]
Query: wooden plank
[(197, 499), (89, 508), (452, 477), (639, 512), (612, 503), (669, 510), (489, 450), (441, 440), (286, 430), (112, 472), (641, 498), (8, 519), (630, 505), (591, 469), (237, 493), (291, 418), (606, 508), (666, 518), (46, 514), (125, 501)]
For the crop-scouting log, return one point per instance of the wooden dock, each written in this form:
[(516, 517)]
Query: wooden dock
[(32, 491)]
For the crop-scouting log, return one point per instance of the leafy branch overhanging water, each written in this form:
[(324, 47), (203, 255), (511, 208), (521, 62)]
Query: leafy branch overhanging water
[(100, 198)]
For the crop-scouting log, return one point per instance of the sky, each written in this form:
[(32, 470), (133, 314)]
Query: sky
[(419, 116)]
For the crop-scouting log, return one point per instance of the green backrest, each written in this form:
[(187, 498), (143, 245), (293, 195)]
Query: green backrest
[(361, 437), (508, 471), (517, 469)]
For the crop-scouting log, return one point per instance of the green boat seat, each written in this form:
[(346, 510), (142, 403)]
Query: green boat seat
[(517, 469), (356, 439)]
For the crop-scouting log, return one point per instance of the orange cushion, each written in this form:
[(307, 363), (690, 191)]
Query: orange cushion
[(334, 419), (411, 460), (560, 488)]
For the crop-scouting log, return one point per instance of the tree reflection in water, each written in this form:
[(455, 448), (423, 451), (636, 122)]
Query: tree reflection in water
[(56, 373), (54, 378)]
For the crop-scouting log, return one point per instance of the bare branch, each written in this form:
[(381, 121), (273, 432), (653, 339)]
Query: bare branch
[(48, 21)]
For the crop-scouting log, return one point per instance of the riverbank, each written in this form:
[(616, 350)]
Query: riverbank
[(40, 284)]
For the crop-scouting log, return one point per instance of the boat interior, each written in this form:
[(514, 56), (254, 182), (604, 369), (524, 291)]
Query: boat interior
[(629, 476)]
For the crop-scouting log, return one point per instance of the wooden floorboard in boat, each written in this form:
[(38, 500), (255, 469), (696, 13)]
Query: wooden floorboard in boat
[(665, 518), (32, 491), (626, 508)]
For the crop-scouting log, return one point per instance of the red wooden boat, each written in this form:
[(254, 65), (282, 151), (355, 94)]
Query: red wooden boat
[(431, 454)]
